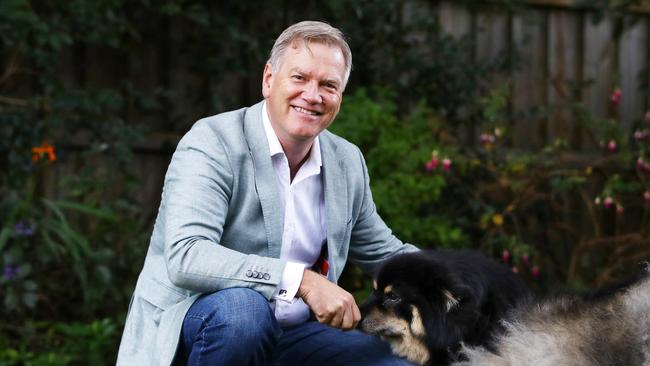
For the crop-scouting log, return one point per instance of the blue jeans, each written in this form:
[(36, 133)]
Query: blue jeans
[(237, 327)]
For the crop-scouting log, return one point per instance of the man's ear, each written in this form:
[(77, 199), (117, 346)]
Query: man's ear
[(267, 79)]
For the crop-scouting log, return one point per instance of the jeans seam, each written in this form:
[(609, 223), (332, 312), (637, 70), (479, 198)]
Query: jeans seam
[(202, 335)]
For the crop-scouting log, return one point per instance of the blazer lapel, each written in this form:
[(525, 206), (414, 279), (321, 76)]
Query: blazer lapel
[(265, 179), (336, 200)]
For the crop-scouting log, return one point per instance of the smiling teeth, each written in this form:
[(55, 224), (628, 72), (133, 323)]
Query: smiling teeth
[(306, 111)]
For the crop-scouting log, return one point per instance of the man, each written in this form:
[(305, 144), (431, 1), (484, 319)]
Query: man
[(260, 210)]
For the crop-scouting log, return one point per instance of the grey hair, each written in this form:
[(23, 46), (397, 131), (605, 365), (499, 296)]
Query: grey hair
[(311, 31)]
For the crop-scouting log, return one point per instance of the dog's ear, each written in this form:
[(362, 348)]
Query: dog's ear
[(457, 295), (451, 300)]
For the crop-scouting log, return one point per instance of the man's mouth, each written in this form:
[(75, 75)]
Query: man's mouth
[(306, 111)]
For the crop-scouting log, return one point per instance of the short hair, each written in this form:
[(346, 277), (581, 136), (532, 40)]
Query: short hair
[(311, 31)]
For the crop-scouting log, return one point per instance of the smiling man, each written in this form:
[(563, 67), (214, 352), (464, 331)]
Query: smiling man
[(261, 209)]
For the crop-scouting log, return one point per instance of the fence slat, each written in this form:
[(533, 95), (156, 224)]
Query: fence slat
[(454, 19), (598, 66), (529, 82), (562, 58), (632, 59)]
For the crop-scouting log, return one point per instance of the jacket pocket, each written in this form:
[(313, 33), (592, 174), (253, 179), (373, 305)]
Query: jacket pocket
[(158, 294)]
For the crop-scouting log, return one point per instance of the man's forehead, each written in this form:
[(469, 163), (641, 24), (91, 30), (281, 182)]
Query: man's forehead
[(300, 47), (299, 44)]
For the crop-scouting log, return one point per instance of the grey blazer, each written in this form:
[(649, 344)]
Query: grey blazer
[(220, 217)]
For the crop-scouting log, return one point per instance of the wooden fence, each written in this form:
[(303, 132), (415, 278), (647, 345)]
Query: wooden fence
[(563, 46), (560, 44)]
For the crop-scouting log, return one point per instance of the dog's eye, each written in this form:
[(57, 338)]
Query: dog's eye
[(392, 298)]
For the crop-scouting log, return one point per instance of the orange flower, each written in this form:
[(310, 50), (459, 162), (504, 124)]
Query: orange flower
[(44, 151)]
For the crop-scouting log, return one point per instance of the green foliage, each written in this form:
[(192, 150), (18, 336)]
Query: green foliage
[(59, 237), (54, 344), (395, 148)]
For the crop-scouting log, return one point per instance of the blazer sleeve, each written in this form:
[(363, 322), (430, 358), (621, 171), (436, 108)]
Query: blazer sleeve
[(372, 241), (196, 195)]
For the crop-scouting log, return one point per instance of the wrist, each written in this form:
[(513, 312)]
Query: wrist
[(306, 283)]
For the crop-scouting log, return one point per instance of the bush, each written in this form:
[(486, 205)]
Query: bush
[(395, 148), (54, 344)]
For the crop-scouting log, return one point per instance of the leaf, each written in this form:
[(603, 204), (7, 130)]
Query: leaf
[(79, 207), (4, 237), (103, 273), (11, 300), (30, 299), (25, 270), (30, 286)]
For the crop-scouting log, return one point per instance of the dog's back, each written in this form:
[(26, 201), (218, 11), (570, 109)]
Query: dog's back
[(609, 329)]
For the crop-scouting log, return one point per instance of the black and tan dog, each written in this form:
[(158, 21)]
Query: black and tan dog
[(425, 304)]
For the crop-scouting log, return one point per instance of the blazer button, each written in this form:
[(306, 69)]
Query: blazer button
[(267, 276), (249, 273), (255, 274)]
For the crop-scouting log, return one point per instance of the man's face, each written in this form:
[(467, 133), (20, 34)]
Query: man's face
[(304, 95)]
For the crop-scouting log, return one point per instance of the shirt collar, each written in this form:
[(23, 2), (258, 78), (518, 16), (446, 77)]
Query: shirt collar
[(314, 161)]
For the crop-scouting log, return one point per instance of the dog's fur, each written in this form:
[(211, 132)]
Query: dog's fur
[(425, 304), (428, 304), (607, 330)]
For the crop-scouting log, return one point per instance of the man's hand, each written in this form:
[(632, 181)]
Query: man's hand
[(331, 304)]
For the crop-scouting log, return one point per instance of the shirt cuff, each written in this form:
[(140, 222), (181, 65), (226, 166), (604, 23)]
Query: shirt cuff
[(291, 279)]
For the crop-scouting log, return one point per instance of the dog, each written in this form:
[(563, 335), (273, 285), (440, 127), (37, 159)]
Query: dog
[(610, 329), (425, 304)]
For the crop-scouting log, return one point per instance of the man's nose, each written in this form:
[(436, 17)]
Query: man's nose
[(311, 93)]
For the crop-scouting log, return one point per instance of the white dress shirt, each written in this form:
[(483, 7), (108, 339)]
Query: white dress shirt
[(304, 232)]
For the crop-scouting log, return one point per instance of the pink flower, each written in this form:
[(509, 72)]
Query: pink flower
[(515, 269), (446, 164), (597, 200), (535, 271), (608, 202), (640, 135), (620, 209), (431, 165), (488, 139), (506, 256), (646, 196), (525, 258), (611, 146), (616, 96)]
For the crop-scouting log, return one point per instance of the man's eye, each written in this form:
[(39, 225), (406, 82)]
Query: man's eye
[(297, 77)]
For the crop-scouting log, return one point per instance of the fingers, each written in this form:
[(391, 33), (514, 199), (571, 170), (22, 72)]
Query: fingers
[(347, 314), (337, 319), (356, 316), (331, 304)]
